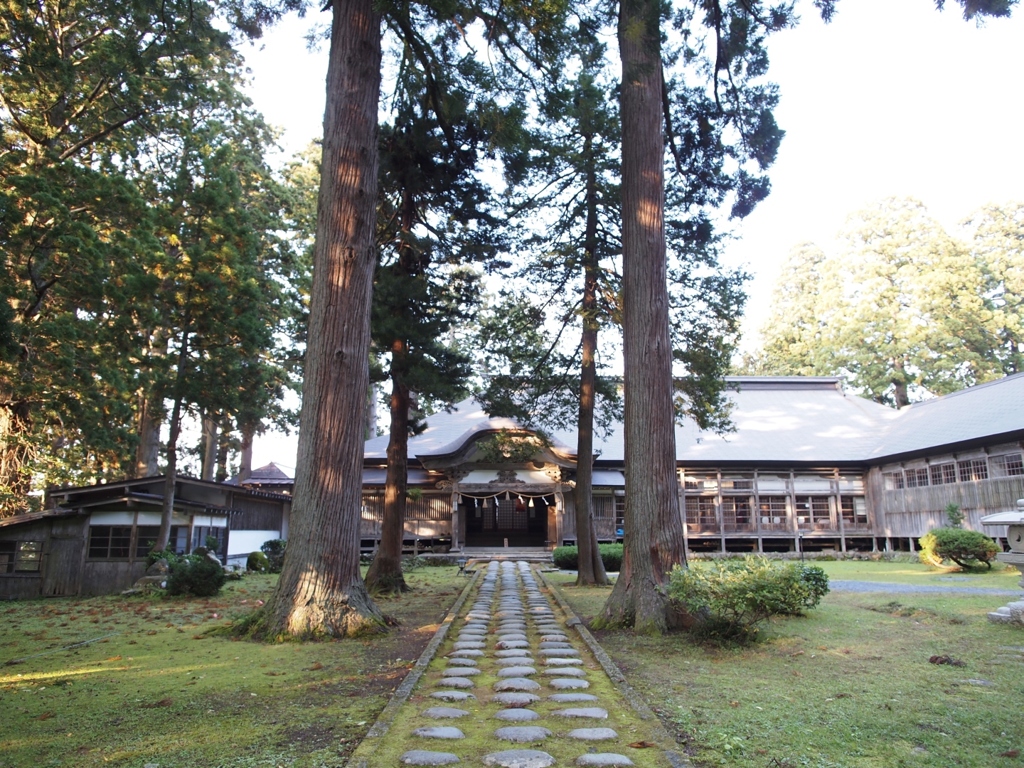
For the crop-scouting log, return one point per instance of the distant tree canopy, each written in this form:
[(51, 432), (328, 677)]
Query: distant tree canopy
[(904, 308)]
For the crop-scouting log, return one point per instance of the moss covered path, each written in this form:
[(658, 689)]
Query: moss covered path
[(516, 687)]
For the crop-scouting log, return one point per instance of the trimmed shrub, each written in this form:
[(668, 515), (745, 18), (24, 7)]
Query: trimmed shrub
[(257, 561), (729, 599), (568, 557), (164, 554), (968, 549), (274, 550), (197, 575)]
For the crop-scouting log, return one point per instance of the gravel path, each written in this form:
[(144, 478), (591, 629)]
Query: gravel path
[(842, 585)]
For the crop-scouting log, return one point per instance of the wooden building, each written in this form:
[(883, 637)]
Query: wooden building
[(94, 540), (808, 467)]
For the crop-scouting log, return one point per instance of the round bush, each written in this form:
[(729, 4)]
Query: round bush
[(731, 599), (196, 575), (274, 550), (567, 558), (258, 562)]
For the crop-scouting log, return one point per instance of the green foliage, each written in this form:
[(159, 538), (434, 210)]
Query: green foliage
[(507, 446), (903, 307), (257, 561), (167, 554), (955, 515), (730, 600), (568, 557), (968, 549), (196, 575), (274, 550)]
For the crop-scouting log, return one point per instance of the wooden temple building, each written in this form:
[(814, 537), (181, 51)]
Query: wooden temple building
[(808, 467)]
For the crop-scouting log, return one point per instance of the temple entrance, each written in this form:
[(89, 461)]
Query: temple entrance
[(517, 521)]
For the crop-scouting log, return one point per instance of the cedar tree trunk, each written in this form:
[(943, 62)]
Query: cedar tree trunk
[(654, 534), (321, 592), (385, 573), (589, 563)]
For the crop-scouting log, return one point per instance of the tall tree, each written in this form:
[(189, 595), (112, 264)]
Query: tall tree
[(904, 309), (321, 591), (80, 84)]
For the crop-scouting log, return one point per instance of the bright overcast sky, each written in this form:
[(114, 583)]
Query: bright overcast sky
[(891, 98)]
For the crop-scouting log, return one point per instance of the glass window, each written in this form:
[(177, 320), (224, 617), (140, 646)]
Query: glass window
[(110, 541), (972, 469), (917, 478), (20, 556), (893, 481), (943, 474), (1007, 465), (854, 510)]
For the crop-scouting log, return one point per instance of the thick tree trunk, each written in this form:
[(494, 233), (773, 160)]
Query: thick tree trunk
[(654, 539), (223, 448), (147, 454), (320, 592), (245, 454), (385, 574), (589, 563), (209, 446)]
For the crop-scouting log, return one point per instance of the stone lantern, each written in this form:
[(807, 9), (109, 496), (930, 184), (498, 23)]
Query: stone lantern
[(1013, 613)]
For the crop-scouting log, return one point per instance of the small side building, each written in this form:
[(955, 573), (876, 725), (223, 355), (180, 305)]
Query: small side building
[(94, 540)]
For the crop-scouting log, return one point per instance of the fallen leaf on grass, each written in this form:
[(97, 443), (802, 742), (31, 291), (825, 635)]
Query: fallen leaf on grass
[(45, 716), (947, 660), (114, 658), (643, 745), (316, 666), (197, 637), (161, 703), (1010, 753)]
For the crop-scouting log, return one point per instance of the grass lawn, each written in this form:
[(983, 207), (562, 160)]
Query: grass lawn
[(156, 687), (999, 577), (848, 685)]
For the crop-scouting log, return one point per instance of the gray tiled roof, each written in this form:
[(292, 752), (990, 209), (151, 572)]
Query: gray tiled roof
[(783, 419)]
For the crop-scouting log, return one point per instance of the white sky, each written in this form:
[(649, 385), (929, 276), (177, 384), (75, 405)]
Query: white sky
[(891, 98)]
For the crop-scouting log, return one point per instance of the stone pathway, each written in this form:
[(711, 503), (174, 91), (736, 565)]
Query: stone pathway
[(512, 689)]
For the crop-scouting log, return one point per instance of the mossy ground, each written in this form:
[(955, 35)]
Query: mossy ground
[(159, 687), (850, 685), (480, 724)]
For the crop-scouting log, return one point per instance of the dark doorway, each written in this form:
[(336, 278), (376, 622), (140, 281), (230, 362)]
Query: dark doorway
[(492, 521)]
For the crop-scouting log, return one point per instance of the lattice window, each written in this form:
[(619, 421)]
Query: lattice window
[(1007, 465), (972, 469), (110, 541), (854, 510), (943, 474), (893, 480), (917, 478), (700, 510)]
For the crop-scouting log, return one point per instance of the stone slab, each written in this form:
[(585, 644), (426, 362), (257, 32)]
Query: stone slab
[(514, 699), (468, 653), (507, 644), (445, 713), (564, 652), (515, 661), (555, 661), (458, 682), (458, 661), (603, 760), (520, 758), (469, 671), (560, 683), (517, 684), (511, 652), (424, 757), (452, 695), (516, 715), (517, 672), (593, 734), (522, 734), (563, 672), (439, 732), (592, 712), (465, 645), (571, 698)]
